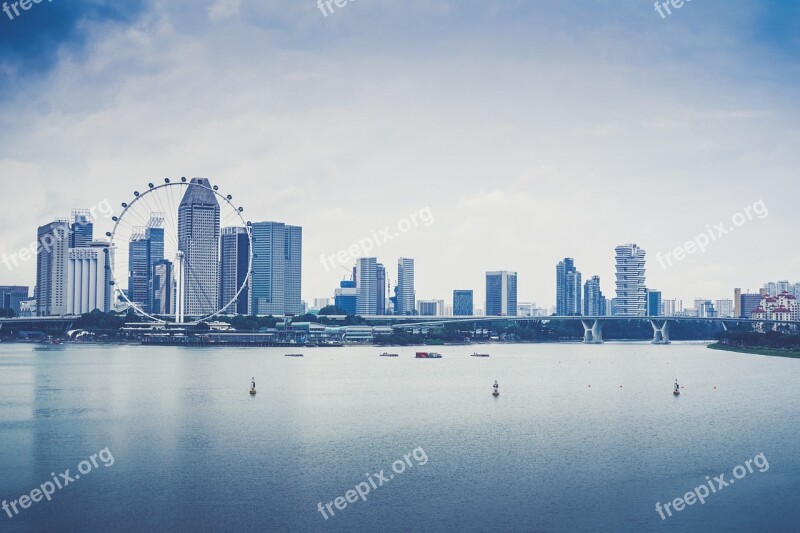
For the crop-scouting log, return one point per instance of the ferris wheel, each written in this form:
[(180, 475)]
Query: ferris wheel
[(181, 250)]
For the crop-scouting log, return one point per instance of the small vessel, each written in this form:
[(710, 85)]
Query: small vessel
[(428, 355), (294, 355), (476, 354), (253, 387), (677, 391), (385, 354), (252, 391), (495, 390)]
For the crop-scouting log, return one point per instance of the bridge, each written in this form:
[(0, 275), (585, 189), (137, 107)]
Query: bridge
[(593, 325)]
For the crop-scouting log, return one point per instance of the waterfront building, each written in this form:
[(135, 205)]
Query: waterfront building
[(630, 283), (653, 302), (52, 258), (12, 297), (198, 239), (81, 228), (380, 283), (406, 295), (501, 293), (89, 279), (737, 302), (346, 297), (367, 285), (749, 302), (430, 307), (783, 306), (568, 288), (594, 303), (275, 282), (233, 269), (463, 302), (163, 287), (724, 308)]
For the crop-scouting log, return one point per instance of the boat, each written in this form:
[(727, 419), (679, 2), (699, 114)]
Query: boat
[(495, 390), (496, 393), (476, 354), (428, 355), (294, 355), (385, 354), (252, 391), (677, 391)]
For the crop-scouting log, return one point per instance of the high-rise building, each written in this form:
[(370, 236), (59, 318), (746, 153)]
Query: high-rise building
[(233, 269), (749, 302), (367, 285), (406, 296), (89, 278), (346, 297), (321, 303), (653, 303), (501, 293), (630, 267), (275, 282), (145, 248), (594, 301), (12, 296), (430, 307), (724, 308), (198, 239), (737, 302), (162, 301), (52, 257), (568, 288), (463, 302), (380, 283), (82, 227)]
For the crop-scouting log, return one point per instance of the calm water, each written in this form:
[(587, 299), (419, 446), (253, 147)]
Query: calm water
[(194, 452)]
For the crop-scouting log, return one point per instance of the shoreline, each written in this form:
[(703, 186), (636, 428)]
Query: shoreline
[(774, 352)]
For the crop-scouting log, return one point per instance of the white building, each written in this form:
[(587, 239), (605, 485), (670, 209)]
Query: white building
[(430, 307), (88, 279), (784, 306), (406, 294), (52, 257), (724, 308), (631, 292)]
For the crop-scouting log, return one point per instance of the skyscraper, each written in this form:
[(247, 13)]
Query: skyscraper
[(367, 285), (275, 282), (162, 301), (233, 269), (12, 296), (52, 256), (501, 293), (88, 278), (146, 247), (463, 303), (81, 227), (198, 239), (346, 297), (568, 288), (380, 284), (594, 303), (406, 296), (653, 303), (630, 266)]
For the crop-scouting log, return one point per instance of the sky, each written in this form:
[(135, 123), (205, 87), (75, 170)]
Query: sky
[(485, 135)]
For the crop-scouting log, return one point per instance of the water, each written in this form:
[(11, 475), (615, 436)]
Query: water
[(193, 451)]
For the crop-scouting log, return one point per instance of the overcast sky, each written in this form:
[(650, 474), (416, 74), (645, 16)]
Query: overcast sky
[(531, 131)]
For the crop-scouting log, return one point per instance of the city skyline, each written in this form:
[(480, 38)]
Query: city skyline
[(542, 155)]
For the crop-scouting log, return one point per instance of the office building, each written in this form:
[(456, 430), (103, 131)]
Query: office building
[(630, 283), (234, 261), (346, 297), (406, 295), (162, 301), (749, 302), (594, 303), (430, 307), (380, 277), (198, 239), (501, 293), (568, 289), (737, 302), (321, 303), (89, 278), (52, 259), (276, 283), (463, 302), (367, 286), (653, 302), (81, 228), (12, 297)]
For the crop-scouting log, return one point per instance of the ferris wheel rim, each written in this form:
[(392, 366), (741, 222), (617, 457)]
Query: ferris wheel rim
[(151, 187)]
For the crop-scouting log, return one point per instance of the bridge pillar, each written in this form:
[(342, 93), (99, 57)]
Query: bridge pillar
[(660, 333), (592, 334)]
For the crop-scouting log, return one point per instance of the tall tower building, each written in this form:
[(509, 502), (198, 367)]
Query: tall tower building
[(275, 282), (406, 295), (568, 288), (653, 303), (631, 291), (594, 303), (162, 301), (233, 265), (380, 283), (367, 285), (52, 258), (198, 239), (501, 293)]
